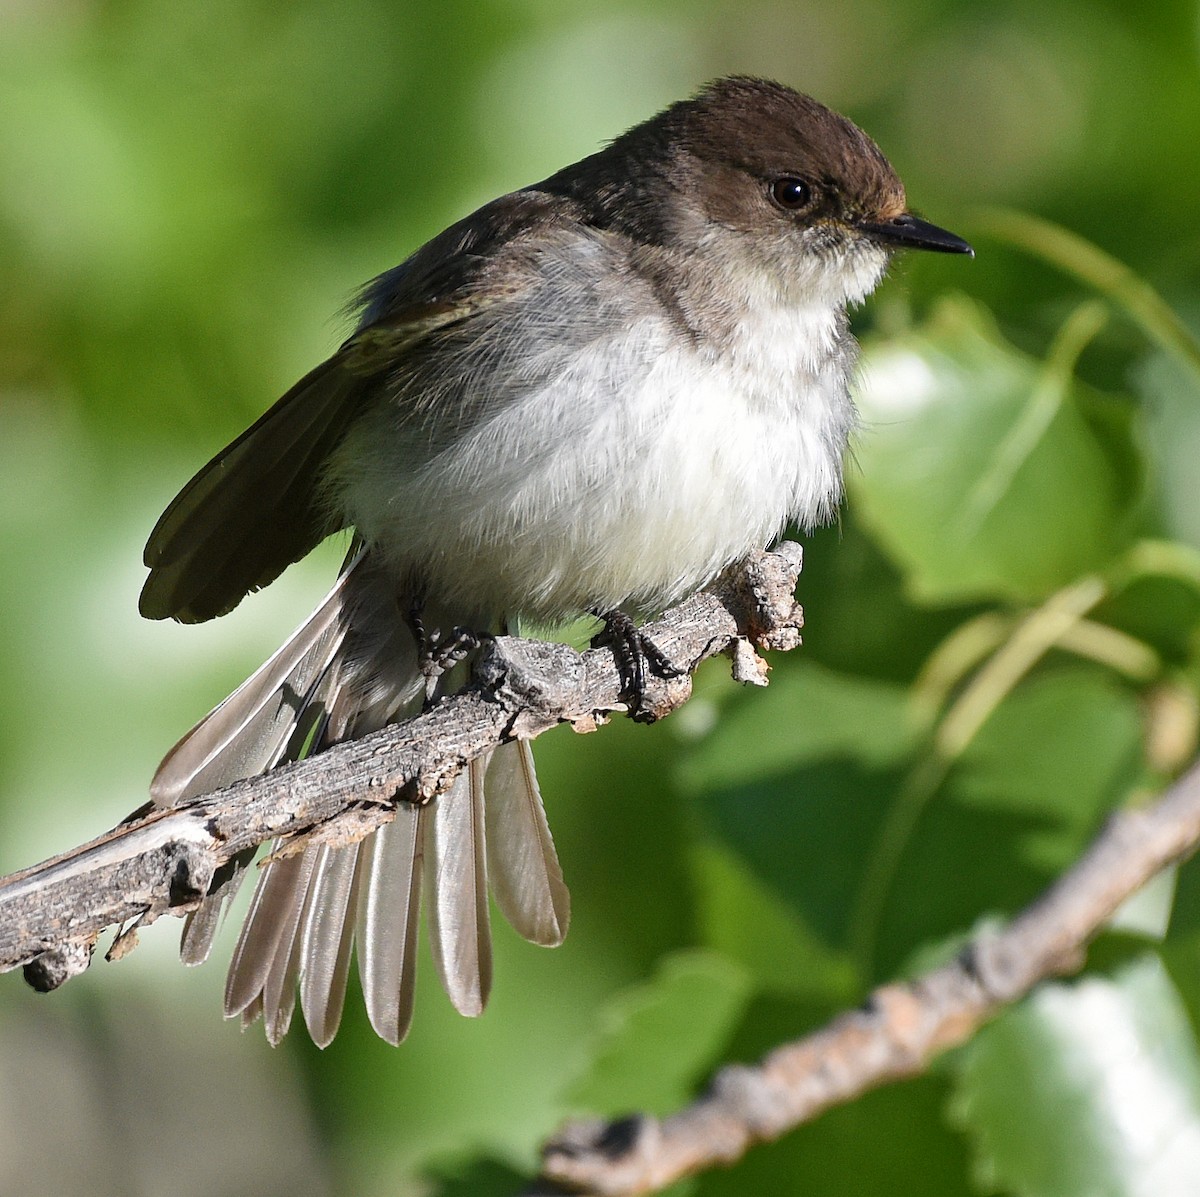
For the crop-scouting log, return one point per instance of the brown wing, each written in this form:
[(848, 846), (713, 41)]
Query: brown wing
[(257, 506)]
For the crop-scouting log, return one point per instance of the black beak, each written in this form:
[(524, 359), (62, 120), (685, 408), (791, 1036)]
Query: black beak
[(908, 232)]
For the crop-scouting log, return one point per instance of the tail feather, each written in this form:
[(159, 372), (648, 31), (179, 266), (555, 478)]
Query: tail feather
[(349, 670), (326, 940), (279, 964), (279, 895), (456, 882), (251, 1014), (279, 992), (248, 733), (523, 868), (389, 903), (201, 925)]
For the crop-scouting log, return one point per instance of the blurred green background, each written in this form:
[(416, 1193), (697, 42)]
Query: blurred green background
[(1002, 632)]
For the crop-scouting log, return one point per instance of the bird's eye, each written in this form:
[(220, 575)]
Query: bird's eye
[(791, 193)]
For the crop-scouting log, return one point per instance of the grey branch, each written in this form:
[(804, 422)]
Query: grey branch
[(896, 1033), (162, 861)]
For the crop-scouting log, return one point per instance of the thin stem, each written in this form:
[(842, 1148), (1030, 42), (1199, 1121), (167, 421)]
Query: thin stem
[(1039, 632), (1108, 275), (1034, 636), (960, 652), (1121, 652), (1027, 430)]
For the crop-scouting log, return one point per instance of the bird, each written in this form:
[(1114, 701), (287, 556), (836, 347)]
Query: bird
[(588, 397)]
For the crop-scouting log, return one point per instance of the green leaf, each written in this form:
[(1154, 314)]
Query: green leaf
[(890, 1143), (1058, 754), (471, 1177), (660, 1037), (800, 784), (1172, 400), (1147, 911), (795, 779), (807, 713), (1109, 275), (1019, 805), (1181, 951), (1087, 1090), (858, 616), (1161, 610), (986, 474), (748, 921), (1185, 915)]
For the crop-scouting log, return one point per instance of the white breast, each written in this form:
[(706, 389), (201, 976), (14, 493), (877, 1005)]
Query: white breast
[(724, 450), (640, 465)]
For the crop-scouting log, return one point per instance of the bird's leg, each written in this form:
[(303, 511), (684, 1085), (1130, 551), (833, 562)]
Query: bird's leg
[(416, 625), (634, 653), (437, 653)]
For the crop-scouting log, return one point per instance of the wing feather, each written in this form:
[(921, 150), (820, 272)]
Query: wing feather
[(254, 508)]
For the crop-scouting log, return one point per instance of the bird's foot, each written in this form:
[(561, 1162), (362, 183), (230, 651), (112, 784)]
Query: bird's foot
[(636, 655), (438, 652)]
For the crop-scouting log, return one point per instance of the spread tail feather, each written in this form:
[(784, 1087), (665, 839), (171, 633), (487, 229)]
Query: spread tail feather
[(389, 903), (348, 671), (456, 885), (326, 941), (526, 880)]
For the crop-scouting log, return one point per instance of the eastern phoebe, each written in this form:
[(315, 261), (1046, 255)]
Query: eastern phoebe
[(591, 395)]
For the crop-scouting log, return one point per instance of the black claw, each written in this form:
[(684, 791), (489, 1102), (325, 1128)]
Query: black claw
[(438, 654), (456, 648), (416, 625), (635, 655), (621, 632)]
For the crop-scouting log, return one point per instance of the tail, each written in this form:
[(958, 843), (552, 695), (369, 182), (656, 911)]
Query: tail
[(349, 670)]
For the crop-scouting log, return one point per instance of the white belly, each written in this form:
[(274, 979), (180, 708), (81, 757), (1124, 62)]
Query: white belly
[(640, 470)]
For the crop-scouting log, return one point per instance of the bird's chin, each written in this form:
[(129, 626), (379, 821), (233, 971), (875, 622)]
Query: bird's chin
[(830, 265), (850, 266), (837, 263), (861, 269)]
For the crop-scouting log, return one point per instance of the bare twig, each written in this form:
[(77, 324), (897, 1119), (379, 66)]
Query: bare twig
[(162, 861), (895, 1034)]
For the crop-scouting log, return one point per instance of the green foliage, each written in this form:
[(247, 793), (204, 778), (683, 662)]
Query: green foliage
[(971, 442), (656, 1041), (1087, 1089), (892, 1141), (1003, 632)]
